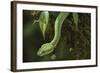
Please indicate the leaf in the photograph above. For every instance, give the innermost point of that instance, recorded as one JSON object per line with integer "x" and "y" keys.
{"x": 35, "y": 21}
{"x": 75, "y": 17}
{"x": 43, "y": 21}
{"x": 70, "y": 49}
{"x": 34, "y": 13}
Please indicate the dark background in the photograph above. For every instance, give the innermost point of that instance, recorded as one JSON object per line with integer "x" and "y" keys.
{"x": 73, "y": 45}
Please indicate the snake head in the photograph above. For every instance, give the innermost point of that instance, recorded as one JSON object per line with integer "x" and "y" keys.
{"x": 45, "y": 49}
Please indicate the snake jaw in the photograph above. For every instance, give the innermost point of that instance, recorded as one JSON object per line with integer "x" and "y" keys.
{"x": 39, "y": 53}
{"x": 45, "y": 49}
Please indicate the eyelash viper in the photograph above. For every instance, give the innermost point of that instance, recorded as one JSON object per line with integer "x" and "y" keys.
{"x": 48, "y": 48}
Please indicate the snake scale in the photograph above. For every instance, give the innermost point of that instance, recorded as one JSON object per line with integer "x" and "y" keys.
{"x": 49, "y": 47}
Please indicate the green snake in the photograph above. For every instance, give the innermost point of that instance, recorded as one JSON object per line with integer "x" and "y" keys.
{"x": 48, "y": 48}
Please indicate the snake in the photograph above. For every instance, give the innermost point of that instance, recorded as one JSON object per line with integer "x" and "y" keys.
{"x": 49, "y": 47}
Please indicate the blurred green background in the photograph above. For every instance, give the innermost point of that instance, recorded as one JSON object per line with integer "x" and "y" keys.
{"x": 73, "y": 45}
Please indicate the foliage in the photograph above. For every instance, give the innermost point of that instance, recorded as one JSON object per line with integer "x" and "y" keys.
{"x": 43, "y": 21}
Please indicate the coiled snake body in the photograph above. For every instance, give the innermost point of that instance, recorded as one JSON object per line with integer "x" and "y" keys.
{"x": 47, "y": 48}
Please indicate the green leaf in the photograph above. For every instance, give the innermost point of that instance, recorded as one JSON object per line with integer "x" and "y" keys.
{"x": 70, "y": 49}
{"x": 43, "y": 21}
{"x": 75, "y": 17}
